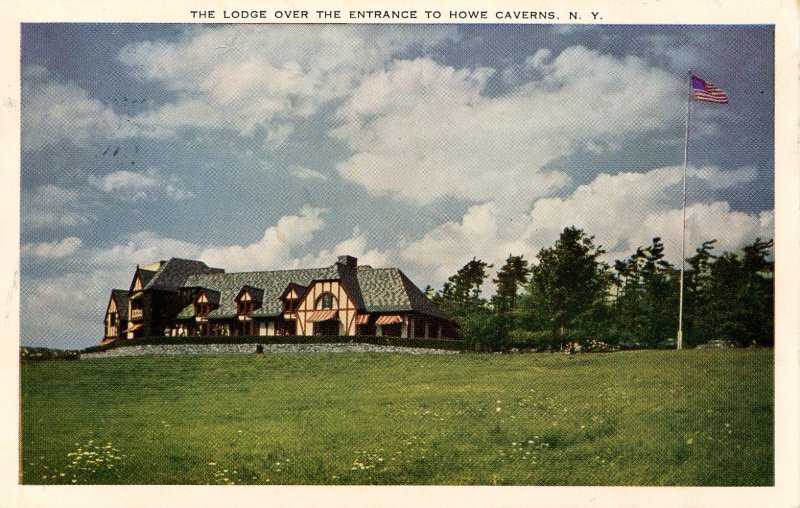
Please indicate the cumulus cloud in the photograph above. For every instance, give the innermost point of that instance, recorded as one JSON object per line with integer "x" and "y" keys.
{"x": 238, "y": 77}
{"x": 355, "y": 246}
{"x": 55, "y": 111}
{"x": 133, "y": 186}
{"x": 140, "y": 248}
{"x": 52, "y": 250}
{"x": 50, "y": 206}
{"x": 123, "y": 180}
{"x": 263, "y": 77}
{"x": 274, "y": 247}
{"x": 433, "y": 125}
{"x": 307, "y": 174}
{"x": 623, "y": 211}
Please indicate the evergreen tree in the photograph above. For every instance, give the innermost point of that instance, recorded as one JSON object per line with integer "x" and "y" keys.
{"x": 511, "y": 276}
{"x": 568, "y": 281}
{"x": 660, "y": 302}
{"x": 461, "y": 294}
{"x": 697, "y": 297}
{"x": 742, "y": 295}
{"x": 460, "y": 298}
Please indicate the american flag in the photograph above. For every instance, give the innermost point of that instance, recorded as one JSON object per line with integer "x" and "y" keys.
{"x": 706, "y": 92}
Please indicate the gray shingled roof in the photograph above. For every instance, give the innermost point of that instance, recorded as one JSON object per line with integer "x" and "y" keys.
{"x": 173, "y": 274}
{"x": 419, "y": 301}
{"x": 389, "y": 290}
{"x": 147, "y": 276}
{"x": 120, "y": 296}
{"x": 374, "y": 289}
{"x": 271, "y": 283}
{"x": 348, "y": 277}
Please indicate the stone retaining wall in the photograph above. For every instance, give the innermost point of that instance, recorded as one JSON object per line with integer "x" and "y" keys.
{"x": 225, "y": 349}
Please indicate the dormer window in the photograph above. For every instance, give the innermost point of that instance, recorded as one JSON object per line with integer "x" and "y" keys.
{"x": 205, "y": 303}
{"x": 290, "y": 298}
{"x": 244, "y": 308}
{"x": 248, "y": 300}
{"x": 290, "y": 305}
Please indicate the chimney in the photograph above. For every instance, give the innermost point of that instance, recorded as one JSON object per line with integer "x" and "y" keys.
{"x": 349, "y": 261}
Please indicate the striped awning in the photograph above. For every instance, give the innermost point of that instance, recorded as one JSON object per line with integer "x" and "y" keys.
{"x": 322, "y": 315}
{"x": 391, "y": 319}
{"x": 133, "y": 328}
{"x": 362, "y": 319}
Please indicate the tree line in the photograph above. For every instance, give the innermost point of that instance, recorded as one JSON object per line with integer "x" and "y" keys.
{"x": 569, "y": 295}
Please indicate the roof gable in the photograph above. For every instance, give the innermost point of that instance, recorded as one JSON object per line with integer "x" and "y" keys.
{"x": 141, "y": 278}
{"x": 120, "y": 299}
{"x": 206, "y": 295}
{"x": 293, "y": 289}
{"x": 255, "y": 294}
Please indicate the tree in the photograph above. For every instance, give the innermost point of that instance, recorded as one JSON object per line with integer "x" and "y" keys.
{"x": 660, "y": 297}
{"x": 511, "y": 276}
{"x": 461, "y": 294}
{"x": 568, "y": 281}
{"x": 647, "y": 299}
{"x": 697, "y": 297}
{"x": 742, "y": 295}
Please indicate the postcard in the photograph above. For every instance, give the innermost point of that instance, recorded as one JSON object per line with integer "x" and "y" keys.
{"x": 475, "y": 255}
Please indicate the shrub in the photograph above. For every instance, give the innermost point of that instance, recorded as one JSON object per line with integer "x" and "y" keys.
{"x": 432, "y": 343}
{"x": 485, "y": 331}
{"x": 523, "y": 339}
{"x": 39, "y": 353}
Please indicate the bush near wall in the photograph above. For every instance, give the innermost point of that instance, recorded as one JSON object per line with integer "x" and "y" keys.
{"x": 40, "y": 353}
{"x": 448, "y": 344}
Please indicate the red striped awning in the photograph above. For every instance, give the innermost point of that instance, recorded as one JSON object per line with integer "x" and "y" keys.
{"x": 133, "y": 328}
{"x": 391, "y": 319}
{"x": 322, "y": 315}
{"x": 362, "y": 319}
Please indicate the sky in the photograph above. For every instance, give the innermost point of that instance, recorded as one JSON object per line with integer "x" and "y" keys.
{"x": 258, "y": 147}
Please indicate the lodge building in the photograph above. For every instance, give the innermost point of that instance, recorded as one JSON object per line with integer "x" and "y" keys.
{"x": 182, "y": 297}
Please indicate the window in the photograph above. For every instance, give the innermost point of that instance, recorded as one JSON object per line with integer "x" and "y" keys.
{"x": 325, "y": 301}
{"x": 246, "y": 308}
{"x": 290, "y": 305}
{"x": 202, "y": 309}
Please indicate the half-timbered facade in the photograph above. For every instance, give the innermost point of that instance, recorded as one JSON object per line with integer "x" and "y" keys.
{"x": 342, "y": 299}
{"x": 154, "y": 297}
{"x": 116, "y": 319}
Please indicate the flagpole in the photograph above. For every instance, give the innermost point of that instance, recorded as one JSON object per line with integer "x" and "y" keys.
{"x": 683, "y": 227}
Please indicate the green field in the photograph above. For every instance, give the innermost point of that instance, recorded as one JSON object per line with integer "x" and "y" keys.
{"x": 627, "y": 418}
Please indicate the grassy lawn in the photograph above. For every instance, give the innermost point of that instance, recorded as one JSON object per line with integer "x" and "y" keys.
{"x": 628, "y": 418}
